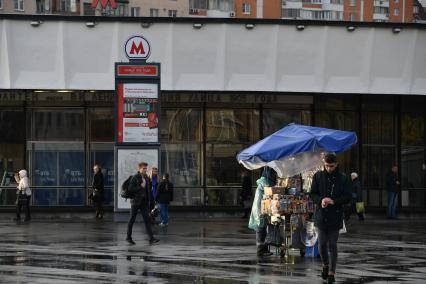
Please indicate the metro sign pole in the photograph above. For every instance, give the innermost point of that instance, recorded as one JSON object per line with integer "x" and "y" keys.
{"x": 137, "y": 114}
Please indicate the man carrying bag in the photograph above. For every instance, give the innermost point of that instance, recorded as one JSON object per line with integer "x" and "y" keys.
{"x": 139, "y": 188}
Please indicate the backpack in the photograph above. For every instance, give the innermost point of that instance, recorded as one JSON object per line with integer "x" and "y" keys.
{"x": 125, "y": 193}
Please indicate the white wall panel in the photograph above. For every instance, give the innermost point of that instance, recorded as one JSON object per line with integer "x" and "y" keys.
{"x": 33, "y": 55}
{"x": 219, "y": 56}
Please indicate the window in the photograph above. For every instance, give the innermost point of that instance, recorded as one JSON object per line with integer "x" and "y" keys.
{"x": 396, "y": 1}
{"x": 58, "y": 173}
{"x": 275, "y": 119}
{"x": 396, "y": 12}
{"x": 12, "y": 152}
{"x": 88, "y": 10}
{"x": 246, "y": 8}
{"x": 19, "y": 5}
{"x": 101, "y": 123}
{"x": 381, "y": 10}
{"x": 153, "y": 12}
{"x": 415, "y": 9}
{"x": 340, "y": 2}
{"x": 291, "y": 13}
{"x": 198, "y": 4}
{"x": 181, "y": 125}
{"x": 58, "y": 125}
{"x": 352, "y": 2}
{"x": 40, "y": 7}
{"x": 69, "y": 6}
{"x": 135, "y": 11}
{"x": 121, "y": 11}
{"x": 352, "y": 17}
{"x": 172, "y": 13}
{"x": 221, "y": 5}
{"x": 1, "y": 4}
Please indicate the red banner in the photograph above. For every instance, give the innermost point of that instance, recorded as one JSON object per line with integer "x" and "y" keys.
{"x": 104, "y": 4}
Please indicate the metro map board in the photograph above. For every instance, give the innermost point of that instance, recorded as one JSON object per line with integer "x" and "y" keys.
{"x": 137, "y": 112}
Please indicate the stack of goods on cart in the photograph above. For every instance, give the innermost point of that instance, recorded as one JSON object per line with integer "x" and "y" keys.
{"x": 280, "y": 200}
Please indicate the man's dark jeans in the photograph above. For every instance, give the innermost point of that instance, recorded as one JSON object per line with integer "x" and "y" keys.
{"x": 327, "y": 244}
{"x": 143, "y": 207}
{"x": 391, "y": 211}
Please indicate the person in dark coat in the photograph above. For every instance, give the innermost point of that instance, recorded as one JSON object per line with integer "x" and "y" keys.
{"x": 330, "y": 190}
{"x": 246, "y": 192}
{"x": 392, "y": 186}
{"x": 163, "y": 199}
{"x": 356, "y": 194}
{"x": 140, "y": 186}
{"x": 97, "y": 195}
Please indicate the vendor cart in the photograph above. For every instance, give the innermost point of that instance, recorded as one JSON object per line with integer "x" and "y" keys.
{"x": 287, "y": 214}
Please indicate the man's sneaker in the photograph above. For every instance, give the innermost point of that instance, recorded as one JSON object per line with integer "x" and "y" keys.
{"x": 324, "y": 273}
{"x": 153, "y": 241}
{"x": 130, "y": 241}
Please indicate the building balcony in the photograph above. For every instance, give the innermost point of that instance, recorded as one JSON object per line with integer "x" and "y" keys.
{"x": 333, "y": 7}
{"x": 384, "y": 17}
{"x": 293, "y": 5}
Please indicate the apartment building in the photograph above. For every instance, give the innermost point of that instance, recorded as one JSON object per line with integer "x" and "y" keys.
{"x": 124, "y": 8}
{"x": 330, "y": 10}
{"x": 349, "y": 10}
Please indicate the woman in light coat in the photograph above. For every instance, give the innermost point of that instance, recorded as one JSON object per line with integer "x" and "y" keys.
{"x": 23, "y": 196}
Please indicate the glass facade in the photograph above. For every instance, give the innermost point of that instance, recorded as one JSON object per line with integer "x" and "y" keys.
{"x": 58, "y": 137}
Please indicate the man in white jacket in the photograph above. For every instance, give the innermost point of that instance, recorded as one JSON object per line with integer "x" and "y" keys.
{"x": 23, "y": 196}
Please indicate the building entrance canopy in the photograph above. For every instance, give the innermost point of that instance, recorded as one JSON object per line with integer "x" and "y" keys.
{"x": 226, "y": 55}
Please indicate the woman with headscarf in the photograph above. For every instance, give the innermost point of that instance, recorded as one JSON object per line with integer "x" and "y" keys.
{"x": 23, "y": 196}
{"x": 258, "y": 221}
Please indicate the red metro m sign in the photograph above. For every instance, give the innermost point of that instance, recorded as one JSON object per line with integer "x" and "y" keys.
{"x": 104, "y": 4}
{"x": 137, "y": 48}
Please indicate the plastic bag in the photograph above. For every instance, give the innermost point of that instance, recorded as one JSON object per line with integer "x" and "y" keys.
{"x": 359, "y": 207}
{"x": 343, "y": 229}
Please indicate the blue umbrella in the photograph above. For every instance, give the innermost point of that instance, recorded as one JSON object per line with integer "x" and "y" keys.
{"x": 295, "y": 147}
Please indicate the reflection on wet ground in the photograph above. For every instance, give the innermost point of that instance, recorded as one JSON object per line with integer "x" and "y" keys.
{"x": 199, "y": 250}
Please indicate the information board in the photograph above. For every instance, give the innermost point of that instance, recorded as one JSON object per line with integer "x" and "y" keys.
{"x": 137, "y": 113}
{"x": 127, "y": 159}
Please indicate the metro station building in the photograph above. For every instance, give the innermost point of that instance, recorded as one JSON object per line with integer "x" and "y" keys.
{"x": 225, "y": 84}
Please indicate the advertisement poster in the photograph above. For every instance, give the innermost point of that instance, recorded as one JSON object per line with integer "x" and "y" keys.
{"x": 138, "y": 113}
{"x": 127, "y": 160}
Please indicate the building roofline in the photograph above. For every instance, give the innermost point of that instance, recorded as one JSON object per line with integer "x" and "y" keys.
{"x": 207, "y": 20}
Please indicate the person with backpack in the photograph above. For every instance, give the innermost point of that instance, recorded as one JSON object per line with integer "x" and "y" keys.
{"x": 139, "y": 191}
{"x": 330, "y": 190}
{"x": 164, "y": 197}
{"x": 23, "y": 195}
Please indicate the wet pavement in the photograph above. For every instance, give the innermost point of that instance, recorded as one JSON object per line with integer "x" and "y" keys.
{"x": 199, "y": 249}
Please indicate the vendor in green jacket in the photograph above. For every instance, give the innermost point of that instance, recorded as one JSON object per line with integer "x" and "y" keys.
{"x": 330, "y": 190}
{"x": 258, "y": 221}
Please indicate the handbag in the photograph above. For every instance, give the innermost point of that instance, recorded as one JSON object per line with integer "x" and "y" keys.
{"x": 95, "y": 194}
{"x": 360, "y": 207}
{"x": 273, "y": 235}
